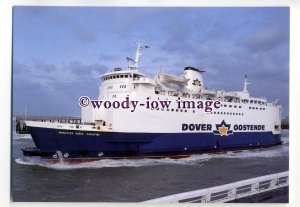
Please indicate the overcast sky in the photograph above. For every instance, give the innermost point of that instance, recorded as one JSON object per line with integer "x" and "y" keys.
{"x": 59, "y": 53}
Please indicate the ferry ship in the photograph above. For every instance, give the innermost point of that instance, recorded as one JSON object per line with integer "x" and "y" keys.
{"x": 239, "y": 122}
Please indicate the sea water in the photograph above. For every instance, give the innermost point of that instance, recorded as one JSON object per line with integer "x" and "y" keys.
{"x": 134, "y": 180}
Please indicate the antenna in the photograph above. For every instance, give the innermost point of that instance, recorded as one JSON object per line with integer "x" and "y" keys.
{"x": 25, "y": 113}
{"x": 137, "y": 55}
{"x": 245, "y": 84}
{"x": 134, "y": 64}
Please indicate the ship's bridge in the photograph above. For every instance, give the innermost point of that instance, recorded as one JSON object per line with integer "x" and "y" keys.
{"x": 118, "y": 73}
{"x": 121, "y": 81}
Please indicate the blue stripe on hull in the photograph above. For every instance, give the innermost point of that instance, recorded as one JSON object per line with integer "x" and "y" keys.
{"x": 139, "y": 144}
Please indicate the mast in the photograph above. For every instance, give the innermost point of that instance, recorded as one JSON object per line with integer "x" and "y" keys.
{"x": 134, "y": 64}
{"x": 245, "y": 84}
{"x": 25, "y": 113}
{"x": 137, "y": 55}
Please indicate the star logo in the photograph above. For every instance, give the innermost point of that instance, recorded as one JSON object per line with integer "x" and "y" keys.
{"x": 223, "y": 129}
{"x": 196, "y": 82}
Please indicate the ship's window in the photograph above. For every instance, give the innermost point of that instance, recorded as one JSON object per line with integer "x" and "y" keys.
{"x": 157, "y": 108}
{"x": 221, "y": 112}
{"x": 230, "y": 113}
{"x": 255, "y": 102}
{"x": 121, "y": 76}
{"x": 263, "y": 108}
{"x": 126, "y": 76}
{"x": 249, "y": 107}
{"x": 118, "y": 76}
{"x": 230, "y": 106}
{"x": 162, "y": 109}
{"x": 130, "y": 76}
{"x": 256, "y": 108}
{"x": 234, "y": 106}
{"x": 225, "y": 105}
{"x": 218, "y": 112}
{"x": 251, "y": 101}
{"x": 168, "y": 109}
{"x": 114, "y": 77}
{"x": 193, "y": 111}
{"x": 239, "y": 114}
{"x": 222, "y": 105}
{"x": 214, "y": 112}
{"x": 172, "y": 109}
{"x": 227, "y": 113}
{"x": 185, "y": 110}
{"x": 181, "y": 110}
{"x": 240, "y": 106}
{"x": 176, "y": 110}
{"x": 233, "y": 113}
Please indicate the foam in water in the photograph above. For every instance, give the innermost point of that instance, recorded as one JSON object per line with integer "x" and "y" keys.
{"x": 277, "y": 151}
{"x": 21, "y": 136}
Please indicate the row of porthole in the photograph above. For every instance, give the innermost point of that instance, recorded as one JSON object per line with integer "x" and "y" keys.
{"x": 173, "y": 110}
{"x": 228, "y": 113}
{"x": 257, "y": 108}
{"x": 234, "y": 106}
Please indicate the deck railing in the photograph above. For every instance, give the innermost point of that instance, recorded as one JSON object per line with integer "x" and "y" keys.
{"x": 229, "y": 192}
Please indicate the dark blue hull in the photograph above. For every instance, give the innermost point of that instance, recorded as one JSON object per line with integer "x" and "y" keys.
{"x": 90, "y": 144}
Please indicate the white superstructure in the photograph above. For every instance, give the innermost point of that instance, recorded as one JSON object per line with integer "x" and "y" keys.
{"x": 237, "y": 107}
